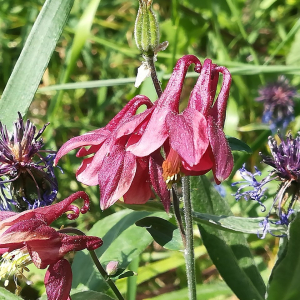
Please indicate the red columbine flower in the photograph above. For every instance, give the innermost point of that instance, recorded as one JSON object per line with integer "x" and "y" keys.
{"x": 28, "y": 237}
{"x": 118, "y": 172}
{"x": 193, "y": 140}
{"x": 202, "y": 100}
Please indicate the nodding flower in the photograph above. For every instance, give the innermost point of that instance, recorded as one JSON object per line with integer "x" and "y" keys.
{"x": 27, "y": 237}
{"x": 24, "y": 172}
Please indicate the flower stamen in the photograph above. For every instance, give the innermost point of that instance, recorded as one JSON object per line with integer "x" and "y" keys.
{"x": 15, "y": 263}
{"x": 171, "y": 168}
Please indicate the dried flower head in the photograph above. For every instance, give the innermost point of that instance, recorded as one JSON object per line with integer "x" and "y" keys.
{"x": 23, "y": 170}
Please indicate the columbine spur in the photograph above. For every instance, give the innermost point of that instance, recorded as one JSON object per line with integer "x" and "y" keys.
{"x": 27, "y": 237}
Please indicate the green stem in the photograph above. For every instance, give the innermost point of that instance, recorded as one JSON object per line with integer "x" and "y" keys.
{"x": 150, "y": 62}
{"x": 96, "y": 262}
{"x": 104, "y": 275}
{"x": 189, "y": 249}
{"x": 131, "y": 281}
{"x": 177, "y": 215}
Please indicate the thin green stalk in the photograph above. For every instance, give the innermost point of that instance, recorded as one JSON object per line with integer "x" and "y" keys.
{"x": 189, "y": 249}
{"x": 131, "y": 281}
{"x": 104, "y": 275}
{"x": 177, "y": 215}
{"x": 150, "y": 62}
{"x": 96, "y": 262}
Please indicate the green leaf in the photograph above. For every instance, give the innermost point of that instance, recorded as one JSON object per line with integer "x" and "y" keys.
{"x": 285, "y": 277}
{"x": 90, "y": 295}
{"x": 163, "y": 232}
{"x": 253, "y": 127}
{"x": 156, "y": 268}
{"x": 82, "y": 295}
{"x": 6, "y": 295}
{"x": 124, "y": 275}
{"x": 228, "y": 251}
{"x": 120, "y": 243}
{"x": 34, "y": 58}
{"x": 204, "y": 292}
{"x": 150, "y": 206}
{"x": 81, "y": 35}
{"x": 238, "y": 145}
{"x": 237, "y": 224}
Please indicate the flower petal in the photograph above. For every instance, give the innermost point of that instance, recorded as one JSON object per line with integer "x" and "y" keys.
{"x": 188, "y": 135}
{"x": 221, "y": 151}
{"x": 22, "y": 231}
{"x": 156, "y": 133}
{"x": 139, "y": 191}
{"x": 218, "y": 110}
{"x": 157, "y": 181}
{"x": 58, "y": 280}
{"x": 205, "y": 164}
{"x": 201, "y": 96}
{"x": 90, "y": 138}
{"x": 49, "y": 213}
{"x": 116, "y": 175}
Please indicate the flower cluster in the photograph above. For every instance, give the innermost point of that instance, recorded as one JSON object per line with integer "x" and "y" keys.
{"x": 134, "y": 153}
{"x": 24, "y": 172}
{"x": 27, "y": 238}
{"x": 285, "y": 161}
{"x": 278, "y": 99}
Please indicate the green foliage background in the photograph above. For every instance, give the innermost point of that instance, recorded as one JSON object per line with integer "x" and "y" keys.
{"x": 90, "y": 77}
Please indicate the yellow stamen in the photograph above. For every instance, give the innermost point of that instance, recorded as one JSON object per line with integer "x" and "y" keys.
{"x": 14, "y": 263}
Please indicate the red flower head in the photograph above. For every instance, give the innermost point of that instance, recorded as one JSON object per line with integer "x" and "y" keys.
{"x": 193, "y": 140}
{"x": 28, "y": 237}
{"x": 118, "y": 172}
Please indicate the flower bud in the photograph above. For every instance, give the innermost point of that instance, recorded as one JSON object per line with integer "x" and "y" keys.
{"x": 146, "y": 30}
{"x": 112, "y": 268}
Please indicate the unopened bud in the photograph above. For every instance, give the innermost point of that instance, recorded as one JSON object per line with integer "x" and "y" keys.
{"x": 146, "y": 30}
{"x": 112, "y": 268}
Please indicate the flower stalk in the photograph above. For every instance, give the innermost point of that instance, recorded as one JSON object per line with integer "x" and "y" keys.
{"x": 189, "y": 247}
{"x": 150, "y": 62}
{"x": 96, "y": 262}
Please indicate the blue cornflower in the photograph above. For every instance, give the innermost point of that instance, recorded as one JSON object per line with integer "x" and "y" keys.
{"x": 27, "y": 174}
{"x": 278, "y": 99}
{"x": 285, "y": 161}
{"x": 257, "y": 189}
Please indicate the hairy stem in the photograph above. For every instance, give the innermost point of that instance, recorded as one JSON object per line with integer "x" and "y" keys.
{"x": 189, "y": 249}
{"x": 177, "y": 215}
{"x": 150, "y": 62}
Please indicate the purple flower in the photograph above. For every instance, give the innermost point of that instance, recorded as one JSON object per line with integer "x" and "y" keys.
{"x": 24, "y": 172}
{"x": 285, "y": 161}
{"x": 278, "y": 99}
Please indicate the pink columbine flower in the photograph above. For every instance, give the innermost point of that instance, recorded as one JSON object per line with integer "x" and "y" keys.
{"x": 119, "y": 172}
{"x": 28, "y": 237}
{"x": 193, "y": 140}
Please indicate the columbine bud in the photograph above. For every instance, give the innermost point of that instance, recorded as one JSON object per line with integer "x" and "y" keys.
{"x": 112, "y": 267}
{"x": 146, "y": 30}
